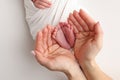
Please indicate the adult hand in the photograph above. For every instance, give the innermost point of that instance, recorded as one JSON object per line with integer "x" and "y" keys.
{"x": 49, "y": 54}
{"x": 89, "y": 36}
{"x": 42, "y": 4}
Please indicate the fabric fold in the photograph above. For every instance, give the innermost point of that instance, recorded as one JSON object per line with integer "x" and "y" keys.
{"x": 37, "y": 19}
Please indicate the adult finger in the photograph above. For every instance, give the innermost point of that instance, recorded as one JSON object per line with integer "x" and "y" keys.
{"x": 80, "y": 20}
{"x": 75, "y": 22}
{"x": 45, "y": 38}
{"x": 39, "y": 42}
{"x": 49, "y": 42}
{"x": 89, "y": 21}
{"x": 71, "y": 24}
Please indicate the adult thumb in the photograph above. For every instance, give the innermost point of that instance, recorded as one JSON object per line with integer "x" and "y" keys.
{"x": 98, "y": 34}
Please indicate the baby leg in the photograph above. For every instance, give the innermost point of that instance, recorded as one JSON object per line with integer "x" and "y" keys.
{"x": 58, "y": 35}
{"x": 68, "y": 32}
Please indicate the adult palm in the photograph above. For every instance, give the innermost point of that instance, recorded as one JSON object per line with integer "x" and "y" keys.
{"x": 49, "y": 54}
{"x": 88, "y": 35}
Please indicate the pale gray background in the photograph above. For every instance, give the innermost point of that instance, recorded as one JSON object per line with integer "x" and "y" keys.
{"x": 16, "y": 62}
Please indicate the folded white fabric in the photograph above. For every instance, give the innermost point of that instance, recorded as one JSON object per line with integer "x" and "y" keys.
{"x": 39, "y": 18}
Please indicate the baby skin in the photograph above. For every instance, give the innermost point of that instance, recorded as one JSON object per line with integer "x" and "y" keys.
{"x": 42, "y": 4}
{"x": 64, "y": 35}
{"x": 63, "y": 32}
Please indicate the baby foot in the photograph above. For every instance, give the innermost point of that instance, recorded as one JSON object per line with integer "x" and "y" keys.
{"x": 58, "y": 35}
{"x": 68, "y": 33}
{"x": 42, "y": 4}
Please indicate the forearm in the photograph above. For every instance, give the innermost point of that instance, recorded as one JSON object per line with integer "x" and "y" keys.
{"x": 93, "y": 72}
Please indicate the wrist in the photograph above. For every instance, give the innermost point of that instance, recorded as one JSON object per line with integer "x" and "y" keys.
{"x": 75, "y": 73}
{"x": 90, "y": 69}
{"x": 87, "y": 63}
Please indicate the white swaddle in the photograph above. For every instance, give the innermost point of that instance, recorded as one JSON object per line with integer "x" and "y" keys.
{"x": 58, "y": 12}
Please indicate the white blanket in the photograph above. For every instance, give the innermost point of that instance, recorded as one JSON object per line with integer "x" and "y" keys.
{"x": 39, "y": 18}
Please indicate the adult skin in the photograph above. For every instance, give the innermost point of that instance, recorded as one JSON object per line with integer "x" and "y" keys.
{"x": 49, "y": 54}
{"x": 89, "y": 39}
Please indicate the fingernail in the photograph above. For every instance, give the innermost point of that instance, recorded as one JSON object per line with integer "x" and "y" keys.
{"x": 98, "y": 23}
{"x": 81, "y": 9}
{"x": 74, "y": 11}
{"x": 70, "y": 14}
{"x": 33, "y": 52}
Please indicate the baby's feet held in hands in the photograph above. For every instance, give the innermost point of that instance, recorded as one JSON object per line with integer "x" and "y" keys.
{"x": 68, "y": 33}
{"x": 42, "y": 4}
{"x": 58, "y": 35}
{"x": 64, "y": 35}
